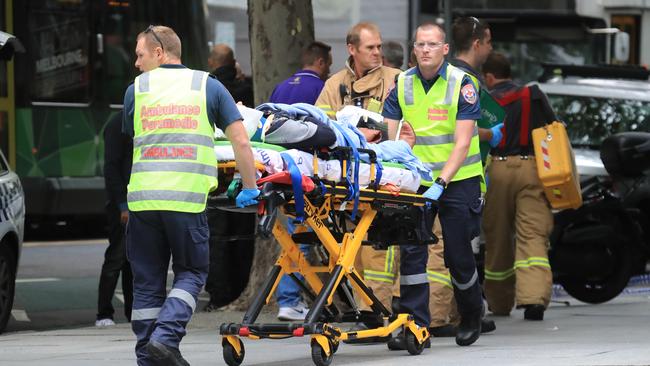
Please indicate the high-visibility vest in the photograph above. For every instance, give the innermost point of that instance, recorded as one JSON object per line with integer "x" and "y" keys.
{"x": 433, "y": 117}
{"x": 174, "y": 164}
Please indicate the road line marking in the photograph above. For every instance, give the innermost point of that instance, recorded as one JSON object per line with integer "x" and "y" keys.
{"x": 67, "y": 243}
{"x": 44, "y": 279}
{"x": 20, "y": 315}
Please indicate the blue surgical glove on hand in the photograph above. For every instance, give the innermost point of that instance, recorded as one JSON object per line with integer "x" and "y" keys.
{"x": 497, "y": 135}
{"x": 434, "y": 192}
{"x": 247, "y": 197}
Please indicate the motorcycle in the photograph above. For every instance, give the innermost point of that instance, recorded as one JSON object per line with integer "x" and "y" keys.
{"x": 597, "y": 248}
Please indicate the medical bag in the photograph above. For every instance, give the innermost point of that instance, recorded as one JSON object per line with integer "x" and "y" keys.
{"x": 556, "y": 166}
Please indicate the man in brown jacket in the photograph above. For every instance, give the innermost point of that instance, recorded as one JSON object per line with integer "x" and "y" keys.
{"x": 365, "y": 82}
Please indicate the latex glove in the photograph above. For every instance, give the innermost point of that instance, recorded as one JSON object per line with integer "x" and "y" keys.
{"x": 434, "y": 192}
{"x": 497, "y": 135}
{"x": 247, "y": 197}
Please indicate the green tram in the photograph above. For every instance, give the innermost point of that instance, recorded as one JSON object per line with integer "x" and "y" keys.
{"x": 57, "y": 96}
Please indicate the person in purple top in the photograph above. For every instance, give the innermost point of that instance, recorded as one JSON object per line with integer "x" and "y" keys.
{"x": 305, "y": 85}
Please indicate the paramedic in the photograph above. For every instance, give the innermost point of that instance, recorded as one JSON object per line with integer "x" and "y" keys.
{"x": 171, "y": 111}
{"x": 364, "y": 82}
{"x": 440, "y": 101}
{"x": 516, "y": 209}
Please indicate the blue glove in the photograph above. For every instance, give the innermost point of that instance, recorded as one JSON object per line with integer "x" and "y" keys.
{"x": 247, "y": 197}
{"x": 497, "y": 135}
{"x": 434, "y": 192}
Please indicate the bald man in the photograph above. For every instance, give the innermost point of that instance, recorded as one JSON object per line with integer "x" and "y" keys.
{"x": 223, "y": 65}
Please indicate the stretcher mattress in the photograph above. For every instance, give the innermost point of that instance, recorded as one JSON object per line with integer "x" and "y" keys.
{"x": 269, "y": 155}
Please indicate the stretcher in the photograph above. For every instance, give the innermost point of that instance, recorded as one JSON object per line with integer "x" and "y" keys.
{"x": 322, "y": 211}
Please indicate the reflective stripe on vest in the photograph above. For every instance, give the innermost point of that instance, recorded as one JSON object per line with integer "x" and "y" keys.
{"x": 174, "y": 164}
{"x": 433, "y": 117}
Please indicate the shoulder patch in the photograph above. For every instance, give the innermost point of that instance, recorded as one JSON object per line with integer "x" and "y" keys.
{"x": 469, "y": 93}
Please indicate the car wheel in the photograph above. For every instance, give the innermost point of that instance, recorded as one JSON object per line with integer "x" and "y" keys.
{"x": 7, "y": 284}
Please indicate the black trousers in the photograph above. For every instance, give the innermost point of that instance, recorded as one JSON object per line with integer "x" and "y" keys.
{"x": 460, "y": 209}
{"x": 115, "y": 262}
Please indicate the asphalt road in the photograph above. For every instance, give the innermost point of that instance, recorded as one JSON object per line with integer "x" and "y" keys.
{"x": 54, "y": 313}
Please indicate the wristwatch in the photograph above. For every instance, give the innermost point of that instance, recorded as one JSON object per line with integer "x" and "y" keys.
{"x": 441, "y": 182}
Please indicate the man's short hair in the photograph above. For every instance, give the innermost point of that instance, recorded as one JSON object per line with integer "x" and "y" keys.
{"x": 222, "y": 55}
{"x": 314, "y": 51}
{"x": 466, "y": 30}
{"x": 498, "y": 65}
{"x": 164, "y": 37}
{"x": 394, "y": 53}
{"x": 427, "y": 26}
{"x": 354, "y": 34}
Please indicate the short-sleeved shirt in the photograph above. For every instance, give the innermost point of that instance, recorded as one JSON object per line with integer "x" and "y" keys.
{"x": 466, "y": 110}
{"x": 470, "y": 70}
{"x": 222, "y": 110}
{"x": 302, "y": 87}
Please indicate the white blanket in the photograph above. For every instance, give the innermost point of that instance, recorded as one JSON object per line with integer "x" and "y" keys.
{"x": 404, "y": 179}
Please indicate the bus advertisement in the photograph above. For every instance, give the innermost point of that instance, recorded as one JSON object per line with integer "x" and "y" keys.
{"x": 56, "y": 96}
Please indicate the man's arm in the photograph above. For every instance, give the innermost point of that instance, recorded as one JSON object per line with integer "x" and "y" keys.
{"x": 392, "y": 125}
{"x": 238, "y": 137}
{"x": 462, "y": 138}
{"x": 326, "y": 100}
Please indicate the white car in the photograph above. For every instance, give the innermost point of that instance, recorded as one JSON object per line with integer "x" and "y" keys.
{"x": 12, "y": 226}
{"x": 595, "y": 104}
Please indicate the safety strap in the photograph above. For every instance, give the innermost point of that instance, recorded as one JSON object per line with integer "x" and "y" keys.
{"x": 378, "y": 174}
{"x": 296, "y": 184}
{"x": 354, "y": 191}
{"x": 523, "y": 95}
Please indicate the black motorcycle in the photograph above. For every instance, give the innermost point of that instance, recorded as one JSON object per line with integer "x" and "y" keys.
{"x": 598, "y": 247}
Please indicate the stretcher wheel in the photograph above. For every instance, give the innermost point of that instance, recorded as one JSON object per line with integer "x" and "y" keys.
{"x": 334, "y": 346}
{"x": 230, "y": 355}
{"x": 412, "y": 345}
{"x": 319, "y": 356}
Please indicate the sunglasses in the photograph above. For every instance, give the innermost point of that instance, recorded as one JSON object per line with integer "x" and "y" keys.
{"x": 150, "y": 30}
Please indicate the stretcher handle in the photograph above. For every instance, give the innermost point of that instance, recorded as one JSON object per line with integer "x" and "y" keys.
{"x": 271, "y": 198}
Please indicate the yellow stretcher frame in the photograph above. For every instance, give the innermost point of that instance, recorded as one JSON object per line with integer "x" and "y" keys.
{"x": 325, "y": 337}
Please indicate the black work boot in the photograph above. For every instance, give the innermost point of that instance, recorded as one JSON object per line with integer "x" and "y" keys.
{"x": 488, "y": 326}
{"x": 534, "y": 312}
{"x": 469, "y": 328}
{"x": 165, "y": 355}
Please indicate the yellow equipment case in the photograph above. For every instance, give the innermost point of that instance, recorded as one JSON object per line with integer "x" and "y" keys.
{"x": 556, "y": 166}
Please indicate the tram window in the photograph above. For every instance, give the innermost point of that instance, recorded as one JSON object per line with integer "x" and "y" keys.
{"x": 59, "y": 45}
{"x": 118, "y": 60}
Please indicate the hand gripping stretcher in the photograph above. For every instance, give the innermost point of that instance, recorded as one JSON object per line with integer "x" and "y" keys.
{"x": 322, "y": 210}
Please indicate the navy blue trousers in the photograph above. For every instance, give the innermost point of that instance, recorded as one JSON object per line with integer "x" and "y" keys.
{"x": 153, "y": 237}
{"x": 460, "y": 209}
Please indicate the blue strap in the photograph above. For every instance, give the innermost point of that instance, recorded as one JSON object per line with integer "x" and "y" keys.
{"x": 355, "y": 191}
{"x": 296, "y": 184}
{"x": 380, "y": 168}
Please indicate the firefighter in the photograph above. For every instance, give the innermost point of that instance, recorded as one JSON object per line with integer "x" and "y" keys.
{"x": 516, "y": 210}
{"x": 441, "y": 103}
{"x": 170, "y": 111}
{"x": 364, "y": 82}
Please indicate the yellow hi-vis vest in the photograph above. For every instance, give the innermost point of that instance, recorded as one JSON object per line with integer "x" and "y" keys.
{"x": 433, "y": 117}
{"x": 174, "y": 164}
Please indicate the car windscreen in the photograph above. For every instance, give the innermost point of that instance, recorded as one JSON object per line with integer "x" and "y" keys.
{"x": 590, "y": 120}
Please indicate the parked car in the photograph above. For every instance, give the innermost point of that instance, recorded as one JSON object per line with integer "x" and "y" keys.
{"x": 12, "y": 225}
{"x": 597, "y": 248}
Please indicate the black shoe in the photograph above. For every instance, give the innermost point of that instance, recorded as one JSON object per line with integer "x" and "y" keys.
{"x": 367, "y": 340}
{"x": 488, "y": 326}
{"x": 165, "y": 355}
{"x": 469, "y": 328}
{"x": 534, "y": 312}
{"x": 443, "y": 331}
{"x": 398, "y": 343}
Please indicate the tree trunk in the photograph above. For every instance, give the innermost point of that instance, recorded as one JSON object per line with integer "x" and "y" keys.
{"x": 279, "y": 30}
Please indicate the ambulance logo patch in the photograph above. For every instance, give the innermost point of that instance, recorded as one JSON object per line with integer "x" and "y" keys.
{"x": 469, "y": 93}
